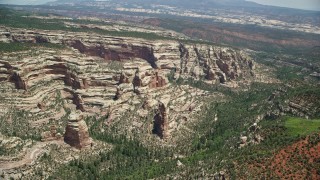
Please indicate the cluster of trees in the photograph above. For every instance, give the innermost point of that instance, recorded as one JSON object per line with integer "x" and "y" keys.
{"x": 216, "y": 144}
{"x": 128, "y": 159}
{"x": 18, "y": 126}
{"x": 16, "y": 46}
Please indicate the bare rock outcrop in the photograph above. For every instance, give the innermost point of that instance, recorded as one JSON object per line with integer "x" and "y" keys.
{"x": 184, "y": 57}
{"x": 124, "y": 52}
{"x": 216, "y": 64}
{"x": 119, "y": 93}
{"x": 124, "y": 78}
{"x": 75, "y": 82}
{"x": 161, "y": 121}
{"x": 41, "y": 105}
{"x": 137, "y": 80}
{"x": 157, "y": 81}
{"x": 77, "y": 134}
{"x": 51, "y": 135}
{"x": 253, "y": 136}
{"x": 18, "y": 81}
{"x": 78, "y": 101}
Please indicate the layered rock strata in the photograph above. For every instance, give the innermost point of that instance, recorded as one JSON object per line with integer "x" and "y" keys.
{"x": 77, "y": 134}
{"x": 103, "y": 75}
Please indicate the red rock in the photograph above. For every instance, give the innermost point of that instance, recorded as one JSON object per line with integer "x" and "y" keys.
{"x": 126, "y": 52}
{"x": 157, "y": 81}
{"x": 77, "y": 134}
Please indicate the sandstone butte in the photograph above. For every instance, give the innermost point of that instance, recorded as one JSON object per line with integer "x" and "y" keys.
{"x": 77, "y": 134}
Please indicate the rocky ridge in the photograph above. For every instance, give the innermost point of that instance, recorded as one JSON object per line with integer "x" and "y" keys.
{"x": 112, "y": 75}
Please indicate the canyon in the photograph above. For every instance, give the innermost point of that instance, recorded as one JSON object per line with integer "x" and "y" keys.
{"x": 121, "y": 78}
{"x": 111, "y": 90}
{"x": 83, "y": 76}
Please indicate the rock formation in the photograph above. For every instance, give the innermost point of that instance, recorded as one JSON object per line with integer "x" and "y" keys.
{"x": 77, "y": 134}
{"x": 124, "y": 52}
{"x": 118, "y": 93}
{"x": 137, "y": 80}
{"x": 18, "y": 81}
{"x": 123, "y": 78}
{"x": 84, "y": 78}
{"x": 41, "y": 105}
{"x": 184, "y": 57}
{"x": 51, "y": 135}
{"x": 157, "y": 81}
{"x": 78, "y": 101}
{"x": 161, "y": 121}
{"x": 75, "y": 82}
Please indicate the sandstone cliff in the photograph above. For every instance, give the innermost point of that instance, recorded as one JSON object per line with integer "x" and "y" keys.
{"x": 77, "y": 134}
{"x": 82, "y": 78}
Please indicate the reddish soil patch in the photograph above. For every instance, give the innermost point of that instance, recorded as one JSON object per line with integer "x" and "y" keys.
{"x": 300, "y": 160}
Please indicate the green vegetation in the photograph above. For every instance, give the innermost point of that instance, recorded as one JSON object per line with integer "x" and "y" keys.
{"x": 115, "y": 65}
{"x": 15, "y": 46}
{"x": 214, "y": 146}
{"x": 15, "y": 123}
{"x": 128, "y": 159}
{"x": 299, "y": 126}
{"x": 21, "y": 19}
{"x": 5, "y": 151}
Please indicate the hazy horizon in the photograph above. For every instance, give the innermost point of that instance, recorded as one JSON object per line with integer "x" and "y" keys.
{"x": 297, "y": 4}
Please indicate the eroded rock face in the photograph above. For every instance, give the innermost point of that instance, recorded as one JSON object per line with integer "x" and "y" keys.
{"x": 119, "y": 93}
{"x": 51, "y": 135}
{"x": 18, "y": 81}
{"x": 77, "y": 134}
{"x": 161, "y": 121}
{"x": 124, "y": 52}
{"x": 137, "y": 80}
{"x": 78, "y": 101}
{"x": 95, "y": 87}
{"x": 75, "y": 82}
{"x": 220, "y": 65}
{"x": 216, "y": 64}
{"x": 184, "y": 56}
{"x": 123, "y": 78}
{"x": 157, "y": 81}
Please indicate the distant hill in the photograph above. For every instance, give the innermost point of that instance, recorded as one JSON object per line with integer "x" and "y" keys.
{"x": 181, "y": 3}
